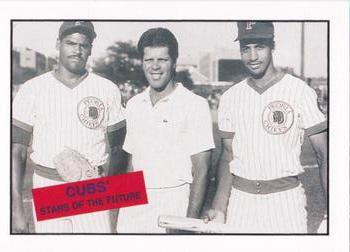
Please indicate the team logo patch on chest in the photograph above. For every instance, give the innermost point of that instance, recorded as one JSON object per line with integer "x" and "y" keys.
{"x": 277, "y": 117}
{"x": 91, "y": 111}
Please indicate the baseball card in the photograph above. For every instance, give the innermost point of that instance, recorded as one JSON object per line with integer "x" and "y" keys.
{"x": 200, "y": 125}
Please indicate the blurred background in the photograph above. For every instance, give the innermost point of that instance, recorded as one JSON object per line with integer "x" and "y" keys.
{"x": 209, "y": 63}
{"x": 209, "y": 60}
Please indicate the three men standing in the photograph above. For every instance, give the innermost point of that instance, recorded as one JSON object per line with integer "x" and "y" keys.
{"x": 262, "y": 122}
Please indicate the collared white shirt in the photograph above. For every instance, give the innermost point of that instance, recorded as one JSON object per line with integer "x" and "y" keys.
{"x": 162, "y": 138}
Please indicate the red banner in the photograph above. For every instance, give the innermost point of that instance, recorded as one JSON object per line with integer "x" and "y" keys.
{"x": 90, "y": 196}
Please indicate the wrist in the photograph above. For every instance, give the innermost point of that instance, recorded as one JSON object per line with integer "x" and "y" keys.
{"x": 193, "y": 213}
{"x": 218, "y": 211}
{"x": 17, "y": 204}
{"x": 220, "y": 214}
{"x": 217, "y": 216}
{"x": 218, "y": 206}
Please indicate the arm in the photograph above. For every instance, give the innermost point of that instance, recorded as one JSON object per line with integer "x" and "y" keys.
{"x": 200, "y": 166}
{"x": 200, "y": 143}
{"x": 24, "y": 114}
{"x": 19, "y": 157}
{"x": 117, "y": 165}
{"x": 118, "y": 157}
{"x": 224, "y": 178}
{"x": 319, "y": 143}
{"x": 129, "y": 167}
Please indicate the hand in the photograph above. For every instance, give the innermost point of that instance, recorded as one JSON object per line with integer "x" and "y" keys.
{"x": 113, "y": 217}
{"x": 19, "y": 222}
{"x": 322, "y": 229}
{"x": 214, "y": 215}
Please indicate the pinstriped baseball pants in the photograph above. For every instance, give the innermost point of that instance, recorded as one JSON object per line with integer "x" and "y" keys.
{"x": 281, "y": 212}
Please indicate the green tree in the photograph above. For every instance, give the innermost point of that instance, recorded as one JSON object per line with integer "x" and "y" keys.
{"x": 121, "y": 64}
{"x": 184, "y": 77}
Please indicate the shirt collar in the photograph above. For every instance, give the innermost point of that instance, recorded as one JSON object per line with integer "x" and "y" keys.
{"x": 70, "y": 85}
{"x": 177, "y": 91}
{"x": 268, "y": 85}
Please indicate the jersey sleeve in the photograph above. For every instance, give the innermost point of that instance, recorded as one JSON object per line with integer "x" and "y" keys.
{"x": 129, "y": 138}
{"x": 225, "y": 118}
{"x": 23, "y": 106}
{"x": 200, "y": 132}
{"x": 116, "y": 119}
{"x": 313, "y": 120}
{"x": 23, "y": 114}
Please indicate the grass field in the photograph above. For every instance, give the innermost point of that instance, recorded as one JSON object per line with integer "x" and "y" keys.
{"x": 310, "y": 181}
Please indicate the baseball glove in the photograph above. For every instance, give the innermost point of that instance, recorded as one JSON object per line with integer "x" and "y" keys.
{"x": 73, "y": 166}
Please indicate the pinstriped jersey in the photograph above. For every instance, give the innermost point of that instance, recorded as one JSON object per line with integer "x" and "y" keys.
{"x": 60, "y": 116}
{"x": 269, "y": 126}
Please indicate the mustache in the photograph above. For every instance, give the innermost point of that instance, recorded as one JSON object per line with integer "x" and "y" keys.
{"x": 75, "y": 56}
{"x": 254, "y": 63}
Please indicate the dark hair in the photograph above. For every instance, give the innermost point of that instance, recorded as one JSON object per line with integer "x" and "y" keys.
{"x": 268, "y": 42}
{"x": 159, "y": 37}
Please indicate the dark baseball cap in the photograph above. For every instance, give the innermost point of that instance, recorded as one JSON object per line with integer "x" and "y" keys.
{"x": 85, "y": 27}
{"x": 255, "y": 30}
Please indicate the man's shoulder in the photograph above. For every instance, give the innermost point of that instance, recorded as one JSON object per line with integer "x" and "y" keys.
{"x": 38, "y": 81}
{"x": 136, "y": 99}
{"x": 235, "y": 87}
{"x": 295, "y": 80}
{"x": 192, "y": 97}
{"x": 101, "y": 80}
{"x": 42, "y": 77}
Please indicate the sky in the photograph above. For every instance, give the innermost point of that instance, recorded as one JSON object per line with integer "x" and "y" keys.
{"x": 195, "y": 39}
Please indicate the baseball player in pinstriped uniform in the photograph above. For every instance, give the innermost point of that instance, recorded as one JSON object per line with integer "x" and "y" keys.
{"x": 68, "y": 107}
{"x": 169, "y": 137}
{"x": 262, "y": 122}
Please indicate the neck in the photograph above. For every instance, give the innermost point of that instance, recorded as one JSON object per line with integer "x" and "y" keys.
{"x": 68, "y": 78}
{"x": 158, "y": 94}
{"x": 270, "y": 73}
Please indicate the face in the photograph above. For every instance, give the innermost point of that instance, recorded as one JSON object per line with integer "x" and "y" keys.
{"x": 74, "y": 51}
{"x": 256, "y": 57}
{"x": 158, "y": 66}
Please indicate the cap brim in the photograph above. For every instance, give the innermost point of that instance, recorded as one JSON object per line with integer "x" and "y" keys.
{"x": 254, "y": 36}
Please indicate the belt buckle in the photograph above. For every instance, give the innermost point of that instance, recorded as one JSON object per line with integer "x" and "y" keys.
{"x": 257, "y": 186}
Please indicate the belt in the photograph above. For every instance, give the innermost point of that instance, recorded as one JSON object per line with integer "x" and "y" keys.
{"x": 51, "y": 173}
{"x": 265, "y": 186}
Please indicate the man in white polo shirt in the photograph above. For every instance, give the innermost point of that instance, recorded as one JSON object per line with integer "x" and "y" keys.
{"x": 169, "y": 138}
